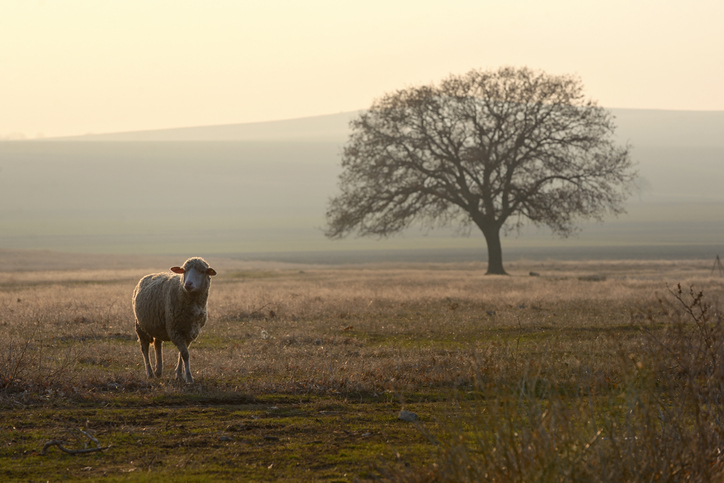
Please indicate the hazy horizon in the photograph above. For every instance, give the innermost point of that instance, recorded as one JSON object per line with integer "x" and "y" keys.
{"x": 266, "y": 89}
{"x": 327, "y": 127}
{"x": 267, "y": 195}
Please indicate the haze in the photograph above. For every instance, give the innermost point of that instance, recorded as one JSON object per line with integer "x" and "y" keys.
{"x": 75, "y": 67}
{"x": 219, "y": 124}
{"x": 260, "y": 190}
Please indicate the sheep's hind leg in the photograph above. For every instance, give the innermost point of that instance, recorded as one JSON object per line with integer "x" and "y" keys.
{"x": 145, "y": 342}
{"x": 158, "y": 344}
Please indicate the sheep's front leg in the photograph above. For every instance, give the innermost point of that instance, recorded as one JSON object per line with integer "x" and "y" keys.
{"x": 183, "y": 362}
{"x": 158, "y": 344}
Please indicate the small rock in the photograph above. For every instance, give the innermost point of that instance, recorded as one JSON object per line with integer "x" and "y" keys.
{"x": 407, "y": 416}
{"x": 225, "y": 438}
{"x": 490, "y": 312}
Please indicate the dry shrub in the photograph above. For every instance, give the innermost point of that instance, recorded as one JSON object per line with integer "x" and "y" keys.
{"x": 53, "y": 329}
{"x": 655, "y": 413}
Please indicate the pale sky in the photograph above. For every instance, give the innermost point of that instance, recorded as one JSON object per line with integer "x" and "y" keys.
{"x": 77, "y": 66}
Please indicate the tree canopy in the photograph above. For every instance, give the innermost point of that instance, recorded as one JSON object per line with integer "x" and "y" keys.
{"x": 490, "y": 149}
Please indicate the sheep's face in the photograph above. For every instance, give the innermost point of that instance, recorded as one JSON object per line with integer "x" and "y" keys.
{"x": 196, "y": 275}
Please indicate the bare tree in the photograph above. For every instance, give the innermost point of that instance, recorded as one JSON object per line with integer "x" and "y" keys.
{"x": 490, "y": 149}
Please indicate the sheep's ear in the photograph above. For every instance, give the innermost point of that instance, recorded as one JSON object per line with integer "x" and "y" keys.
{"x": 177, "y": 270}
{"x": 210, "y": 272}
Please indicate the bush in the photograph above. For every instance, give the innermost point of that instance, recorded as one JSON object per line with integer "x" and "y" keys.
{"x": 653, "y": 414}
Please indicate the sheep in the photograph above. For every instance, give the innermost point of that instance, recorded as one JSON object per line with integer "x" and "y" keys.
{"x": 172, "y": 308}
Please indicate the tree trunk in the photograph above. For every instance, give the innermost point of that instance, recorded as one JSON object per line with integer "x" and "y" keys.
{"x": 495, "y": 251}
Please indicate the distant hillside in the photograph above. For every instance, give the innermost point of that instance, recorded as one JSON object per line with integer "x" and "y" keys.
{"x": 638, "y": 126}
{"x": 642, "y": 127}
{"x": 263, "y": 188}
{"x": 329, "y": 128}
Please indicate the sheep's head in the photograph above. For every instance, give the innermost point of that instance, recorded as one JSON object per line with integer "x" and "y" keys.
{"x": 196, "y": 274}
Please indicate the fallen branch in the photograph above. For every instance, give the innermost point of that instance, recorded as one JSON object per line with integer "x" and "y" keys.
{"x": 59, "y": 444}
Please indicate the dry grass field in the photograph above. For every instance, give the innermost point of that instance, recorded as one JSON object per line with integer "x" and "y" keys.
{"x": 593, "y": 371}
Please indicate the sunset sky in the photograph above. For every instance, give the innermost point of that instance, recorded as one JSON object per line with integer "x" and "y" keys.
{"x": 79, "y": 66}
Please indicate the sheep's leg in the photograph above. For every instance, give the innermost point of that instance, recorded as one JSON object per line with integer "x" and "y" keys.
{"x": 183, "y": 362}
{"x": 145, "y": 342}
{"x": 158, "y": 344}
{"x": 144, "y": 349}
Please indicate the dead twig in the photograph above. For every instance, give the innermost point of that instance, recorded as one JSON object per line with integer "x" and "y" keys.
{"x": 59, "y": 444}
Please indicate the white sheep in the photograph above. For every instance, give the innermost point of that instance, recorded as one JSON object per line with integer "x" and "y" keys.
{"x": 172, "y": 308}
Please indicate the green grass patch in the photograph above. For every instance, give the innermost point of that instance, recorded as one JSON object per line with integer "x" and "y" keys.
{"x": 225, "y": 436}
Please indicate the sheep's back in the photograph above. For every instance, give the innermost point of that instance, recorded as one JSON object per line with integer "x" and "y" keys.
{"x": 151, "y": 301}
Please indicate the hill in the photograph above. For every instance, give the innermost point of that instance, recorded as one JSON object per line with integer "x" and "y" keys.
{"x": 261, "y": 189}
{"x": 328, "y": 128}
{"x": 641, "y": 127}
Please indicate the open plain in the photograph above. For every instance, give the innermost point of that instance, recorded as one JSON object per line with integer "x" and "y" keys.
{"x": 591, "y": 371}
